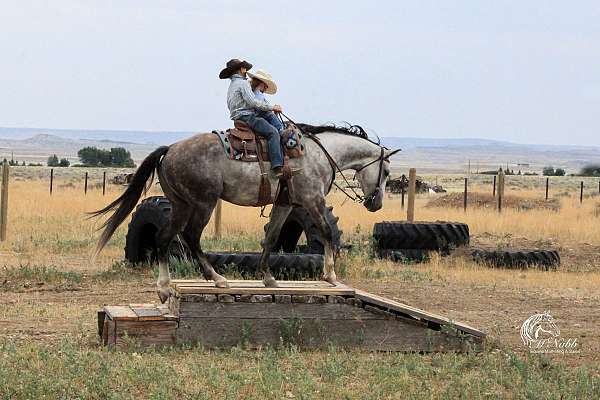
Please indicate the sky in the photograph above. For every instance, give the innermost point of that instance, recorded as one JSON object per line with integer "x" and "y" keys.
{"x": 522, "y": 71}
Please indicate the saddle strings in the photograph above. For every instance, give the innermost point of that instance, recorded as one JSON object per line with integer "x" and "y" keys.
{"x": 357, "y": 197}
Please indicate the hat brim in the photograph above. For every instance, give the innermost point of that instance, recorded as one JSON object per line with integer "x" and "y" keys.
{"x": 271, "y": 86}
{"x": 228, "y": 71}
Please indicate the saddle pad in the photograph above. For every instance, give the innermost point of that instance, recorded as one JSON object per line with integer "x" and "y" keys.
{"x": 227, "y": 145}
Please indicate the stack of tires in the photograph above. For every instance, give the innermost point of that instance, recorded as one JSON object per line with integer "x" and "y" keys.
{"x": 403, "y": 241}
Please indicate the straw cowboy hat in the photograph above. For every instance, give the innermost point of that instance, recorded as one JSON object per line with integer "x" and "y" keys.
{"x": 232, "y": 66}
{"x": 266, "y": 78}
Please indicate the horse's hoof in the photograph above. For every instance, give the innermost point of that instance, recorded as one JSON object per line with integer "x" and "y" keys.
{"x": 222, "y": 283}
{"x": 331, "y": 279}
{"x": 270, "y": 282}
{"x": 164, "y": 294}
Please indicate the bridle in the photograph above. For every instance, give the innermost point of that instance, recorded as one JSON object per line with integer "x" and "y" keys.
{"x": 335, "y": 169}
{"x": 381, "y": 159}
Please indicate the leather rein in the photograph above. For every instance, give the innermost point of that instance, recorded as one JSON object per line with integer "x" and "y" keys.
{"x": 335, "y": 169}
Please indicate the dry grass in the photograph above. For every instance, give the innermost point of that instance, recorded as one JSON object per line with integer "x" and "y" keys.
{"x": 53, "y": 230}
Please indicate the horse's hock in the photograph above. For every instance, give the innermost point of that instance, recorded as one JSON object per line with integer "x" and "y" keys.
{"x": 309, "y": 314}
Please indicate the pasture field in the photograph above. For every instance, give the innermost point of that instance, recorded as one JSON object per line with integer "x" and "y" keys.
{"x": 52, "y": 288}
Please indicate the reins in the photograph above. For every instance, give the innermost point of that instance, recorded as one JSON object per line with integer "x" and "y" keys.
{"x": 335, "y": 167}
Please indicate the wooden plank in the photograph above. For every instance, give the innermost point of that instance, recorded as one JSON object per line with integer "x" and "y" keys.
{"x": 122, "y": 313}
{"x": 166, "y": 312}
{"x": 111, "y": 336}
{"x": 274, "y": 310}
{"x": 146, "y": 333}
{"x": 104, "y": 334}
{"x": 101, "y": 318}
{"x": 254, "y": 283}
{"x": 142, "y": 305}
{"x": 148, "y": 314}
{"x": 415, "y": 312}
{"x": 379, "y": 335}
{"x": 182, "y": 290}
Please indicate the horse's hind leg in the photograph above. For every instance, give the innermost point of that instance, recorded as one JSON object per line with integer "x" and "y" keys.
{"x": 317, "y": 211}
{"x": 191, "y": 234}
{"x": 278, "y": 216}
{"x": 179, "y": 217}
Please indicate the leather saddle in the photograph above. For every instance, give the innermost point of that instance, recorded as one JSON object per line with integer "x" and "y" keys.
{"x": 245, "y": 145}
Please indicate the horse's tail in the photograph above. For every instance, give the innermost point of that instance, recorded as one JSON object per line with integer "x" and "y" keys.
{"x": 125, "y": 203}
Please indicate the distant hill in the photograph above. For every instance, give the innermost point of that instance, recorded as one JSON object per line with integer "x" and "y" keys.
{"x": 426, "y": 154}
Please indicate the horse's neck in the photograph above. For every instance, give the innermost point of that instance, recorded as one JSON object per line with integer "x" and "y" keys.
{"x": 349, "y": 152}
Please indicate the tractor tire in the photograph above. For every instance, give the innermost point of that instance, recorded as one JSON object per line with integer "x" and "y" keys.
{"x": 155, "y": 212}
{"x": 542, "y": 259}
{"x": 420, "y": 235}
{"x": 298, "y": 222}
{"x": 405, "y": 256}
{"x": 282, "y": 266}
{"x": 149, "y": 216}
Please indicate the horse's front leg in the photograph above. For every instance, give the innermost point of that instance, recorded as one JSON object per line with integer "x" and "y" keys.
{"x": 278, "y": 216}
{"x": 317, "y": 211}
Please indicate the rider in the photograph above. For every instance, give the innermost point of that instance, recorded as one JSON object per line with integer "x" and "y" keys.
{"x": 244, "y": 106}
{"x": 261, "y": 82}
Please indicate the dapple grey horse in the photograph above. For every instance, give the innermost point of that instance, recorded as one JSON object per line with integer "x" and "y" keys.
{"x": 195, "y": 173}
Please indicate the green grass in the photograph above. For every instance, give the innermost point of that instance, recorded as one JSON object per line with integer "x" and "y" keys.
{"x": 70, "y": 370}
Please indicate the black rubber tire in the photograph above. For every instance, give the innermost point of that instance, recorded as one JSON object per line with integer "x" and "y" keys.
{"x": 420, "y": 235}
{"x": 298, "y": 222}
{"x": 149, "y": 216}
{"x": 155, "y": 212}
{"x": 282, "y": 265}
{"x": 543, "y": 259}
{"x": 405, "y": 256}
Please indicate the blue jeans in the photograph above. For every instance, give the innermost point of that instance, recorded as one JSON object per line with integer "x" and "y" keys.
{"x": 261, "y": 127}
{"x": 272, "y": 119}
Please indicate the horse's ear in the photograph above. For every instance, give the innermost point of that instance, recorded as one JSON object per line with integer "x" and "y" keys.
{"x": 388, "y": 154}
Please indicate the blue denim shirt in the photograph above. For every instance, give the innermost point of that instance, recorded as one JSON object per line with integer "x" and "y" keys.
{"x": 260, "y": 96}
{"x": 241, "y": 100}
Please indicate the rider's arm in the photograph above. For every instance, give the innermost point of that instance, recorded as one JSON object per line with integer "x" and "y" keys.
{"x": 251, "y": 100}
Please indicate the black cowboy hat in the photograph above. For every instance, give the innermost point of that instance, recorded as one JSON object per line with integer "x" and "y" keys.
{"x": 232, "y": 66}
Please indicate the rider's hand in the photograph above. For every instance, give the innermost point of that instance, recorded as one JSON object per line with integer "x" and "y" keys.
{"x": 277, "y": 108}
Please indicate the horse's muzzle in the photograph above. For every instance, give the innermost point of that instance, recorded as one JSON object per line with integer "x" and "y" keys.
{"x": 374, "y": 202}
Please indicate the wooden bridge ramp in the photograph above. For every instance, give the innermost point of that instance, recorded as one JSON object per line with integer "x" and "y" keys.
{"x": 309, "y": 314}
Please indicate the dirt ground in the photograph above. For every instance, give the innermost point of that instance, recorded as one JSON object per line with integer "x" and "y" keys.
{"x": 32, "y": 310}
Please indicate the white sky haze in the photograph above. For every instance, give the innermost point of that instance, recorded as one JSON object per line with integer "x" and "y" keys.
{"x": 523, "y": 71}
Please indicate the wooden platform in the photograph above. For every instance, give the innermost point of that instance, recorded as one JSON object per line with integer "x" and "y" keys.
{"x": 309, "y": 314}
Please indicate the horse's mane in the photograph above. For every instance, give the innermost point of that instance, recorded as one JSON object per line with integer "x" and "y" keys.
{"x": 348, "y": 129}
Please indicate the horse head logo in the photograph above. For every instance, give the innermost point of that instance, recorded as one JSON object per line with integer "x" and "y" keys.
{"x": 538, "y": 327}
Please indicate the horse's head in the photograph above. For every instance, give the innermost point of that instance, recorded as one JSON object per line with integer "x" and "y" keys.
{"x": 373, "y": 177}
{"x": 547, "y": 325}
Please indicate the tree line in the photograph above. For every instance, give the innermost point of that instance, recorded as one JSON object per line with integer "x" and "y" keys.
{"x": 95, "y": 157}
